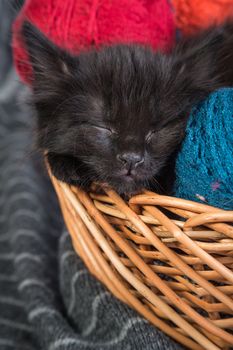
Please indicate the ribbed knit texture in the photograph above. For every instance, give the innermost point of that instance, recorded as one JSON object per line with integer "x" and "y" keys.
{"x": 48, "y": 299}
{"x": 194, "y": 15}
{"x": 78, "y": 25}
{"x": 204, "y": 167}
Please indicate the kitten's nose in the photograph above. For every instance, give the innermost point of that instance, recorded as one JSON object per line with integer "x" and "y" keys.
{"x": 131, "y": 159}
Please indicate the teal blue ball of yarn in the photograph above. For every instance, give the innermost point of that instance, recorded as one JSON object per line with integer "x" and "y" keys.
{"x": 204, "y": 167}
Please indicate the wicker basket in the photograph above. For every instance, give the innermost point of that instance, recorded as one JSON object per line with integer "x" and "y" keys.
{"x": 177, "y": 273}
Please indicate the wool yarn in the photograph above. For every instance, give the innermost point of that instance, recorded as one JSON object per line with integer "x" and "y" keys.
{"x": 194, "y": 15}
{"x": 204, "y": 167}
{"x": 78, "y": 25}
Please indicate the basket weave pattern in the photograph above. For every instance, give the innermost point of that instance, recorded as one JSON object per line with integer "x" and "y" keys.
{"x": 178, "y": 273}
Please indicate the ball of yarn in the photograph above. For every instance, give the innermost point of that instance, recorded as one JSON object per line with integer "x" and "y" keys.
{"x": 195, "y": 15}
{"x": 83, "y": 24}
{"x": 204, "y": 167}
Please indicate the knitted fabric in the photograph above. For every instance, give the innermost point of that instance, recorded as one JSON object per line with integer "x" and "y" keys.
{"x": 83, "y": 24}
{"x": 204, "y": 168}
{"x": 194, "y": 15}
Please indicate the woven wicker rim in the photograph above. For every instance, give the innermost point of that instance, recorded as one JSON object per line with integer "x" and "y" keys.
{"x": 118, "y": 240}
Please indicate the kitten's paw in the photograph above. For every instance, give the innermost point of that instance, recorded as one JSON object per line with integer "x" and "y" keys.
{"x": 64, "y": 168}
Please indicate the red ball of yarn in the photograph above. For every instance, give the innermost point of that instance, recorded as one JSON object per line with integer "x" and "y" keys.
{"x": 195, "y": 15}
{"x": 78, "y": 25}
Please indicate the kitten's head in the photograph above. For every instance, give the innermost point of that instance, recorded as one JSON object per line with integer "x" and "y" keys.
{"x": 115, "y": 114}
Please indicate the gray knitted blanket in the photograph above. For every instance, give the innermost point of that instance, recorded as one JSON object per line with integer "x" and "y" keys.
{"x": 48, "y": 299}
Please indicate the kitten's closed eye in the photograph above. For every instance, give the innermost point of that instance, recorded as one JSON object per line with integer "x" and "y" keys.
{"x": 161, "y": 127}
{"x": 107, "y": 129}
{"x": 150, "y": 135}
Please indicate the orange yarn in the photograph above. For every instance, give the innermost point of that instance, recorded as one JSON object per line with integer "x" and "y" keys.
{"x": 194, "y": 15}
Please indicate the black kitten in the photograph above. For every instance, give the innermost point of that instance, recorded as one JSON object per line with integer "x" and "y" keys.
{"x": 117, "y": 115}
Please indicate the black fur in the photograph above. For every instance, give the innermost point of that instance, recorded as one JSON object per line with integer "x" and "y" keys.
{"x": 124, "y": 99}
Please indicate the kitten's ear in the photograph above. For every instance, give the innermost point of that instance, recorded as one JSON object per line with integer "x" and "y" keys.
{"x": 48, "y": 61}
{"x": 204, "y": 63}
